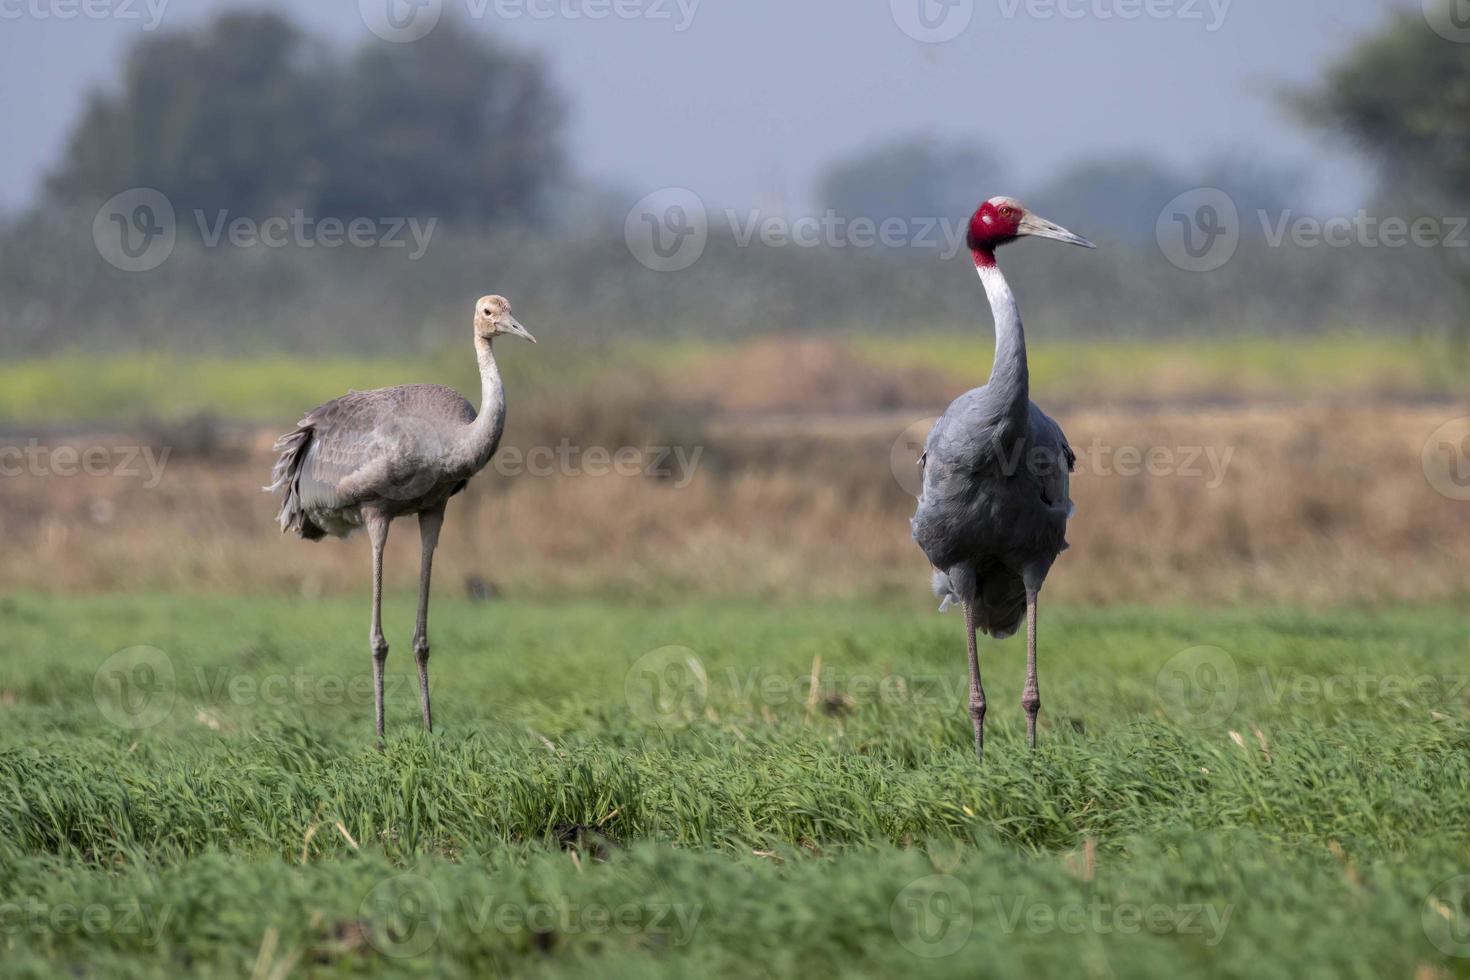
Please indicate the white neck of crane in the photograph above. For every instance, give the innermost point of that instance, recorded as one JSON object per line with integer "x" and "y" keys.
{"x": 483, "y": 435}
{"x": 1010, "y": 340}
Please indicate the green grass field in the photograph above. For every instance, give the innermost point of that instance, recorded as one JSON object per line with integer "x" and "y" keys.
{"x": 68, "y": 388}
{"x": 189, "y": 787}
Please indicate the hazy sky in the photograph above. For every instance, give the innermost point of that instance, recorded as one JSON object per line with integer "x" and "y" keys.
{"x": 745, "y": 100}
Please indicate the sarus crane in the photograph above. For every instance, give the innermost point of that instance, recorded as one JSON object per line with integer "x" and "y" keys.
{"x": 992, "y": 516}
{"x": 370, "y": 456}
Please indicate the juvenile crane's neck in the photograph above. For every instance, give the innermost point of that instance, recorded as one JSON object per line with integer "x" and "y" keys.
{"x": 1009, "y": 377}
{"x": 484, "y": 433}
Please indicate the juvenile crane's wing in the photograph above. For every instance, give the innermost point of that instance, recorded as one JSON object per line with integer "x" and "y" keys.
{"x": 366, "y": 442}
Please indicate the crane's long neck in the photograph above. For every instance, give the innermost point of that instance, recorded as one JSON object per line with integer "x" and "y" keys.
{"x": 483, "y": 436}
{"x": 1009, "y": 378}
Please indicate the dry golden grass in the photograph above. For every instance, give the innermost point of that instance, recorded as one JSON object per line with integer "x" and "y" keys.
{"x": 1318, "y": 504}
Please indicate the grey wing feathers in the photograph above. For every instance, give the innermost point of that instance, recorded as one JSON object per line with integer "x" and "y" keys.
{"x": 1048, "y": 438}
{"x": 327, "y": 458}
{"x": 965, "y": 435}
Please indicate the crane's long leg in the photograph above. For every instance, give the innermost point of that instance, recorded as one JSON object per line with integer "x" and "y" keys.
{"x": 377, "y": 528}
{"x": 1031, "y": 695}
{"x": 977, "y": 691}
{"x": 430, "y": 521}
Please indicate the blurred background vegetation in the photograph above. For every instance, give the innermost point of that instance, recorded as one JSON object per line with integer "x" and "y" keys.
{"x": 795, "y": 371}
{"x": 250, "y": 114}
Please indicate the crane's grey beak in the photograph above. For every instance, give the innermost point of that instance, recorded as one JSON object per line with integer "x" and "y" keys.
{"x": 1041, "y": 228}
{"x": 514, "y": 328}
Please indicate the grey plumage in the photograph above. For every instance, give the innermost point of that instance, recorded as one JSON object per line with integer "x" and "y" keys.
{"x": 995, "y": 505}
{"x": 371, "y": 456}
{"x": 992, "y": 517}
{"x": 390, "y": 445}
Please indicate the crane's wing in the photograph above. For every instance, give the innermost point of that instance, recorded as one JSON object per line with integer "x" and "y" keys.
{"x": 355, "y": 444}
{"x": 964, "y": 436}
{"x": 1048, "y": 441}
{"x": 979, "y": 481}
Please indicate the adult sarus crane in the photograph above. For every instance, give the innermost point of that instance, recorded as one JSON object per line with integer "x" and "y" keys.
{"x": 993, "y": 513}
{"x": 370, "y": 456}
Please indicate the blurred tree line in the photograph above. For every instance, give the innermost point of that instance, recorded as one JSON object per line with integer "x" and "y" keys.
{"x": 251, "y": 115}
{"x": 918, "y": 176}
{"x": 1403, "y": 97}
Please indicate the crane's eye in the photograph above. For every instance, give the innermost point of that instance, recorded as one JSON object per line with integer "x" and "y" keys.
{"x": 1007, "y": 211}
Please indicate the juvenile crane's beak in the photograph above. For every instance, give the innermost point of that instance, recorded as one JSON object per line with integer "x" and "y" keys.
{"x": 1041, "y": 228}
{"x": 514, "y": 328}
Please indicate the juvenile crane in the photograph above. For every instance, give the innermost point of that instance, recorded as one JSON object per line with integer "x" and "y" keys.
{"x": 370, "y": 456}
{"x": 992, "y": 516}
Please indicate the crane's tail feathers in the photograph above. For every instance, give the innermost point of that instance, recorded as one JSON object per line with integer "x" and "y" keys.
{"x": 286, "y": 475}
{"x": 944, "y": 590}
{"x": 999, "y": 598}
